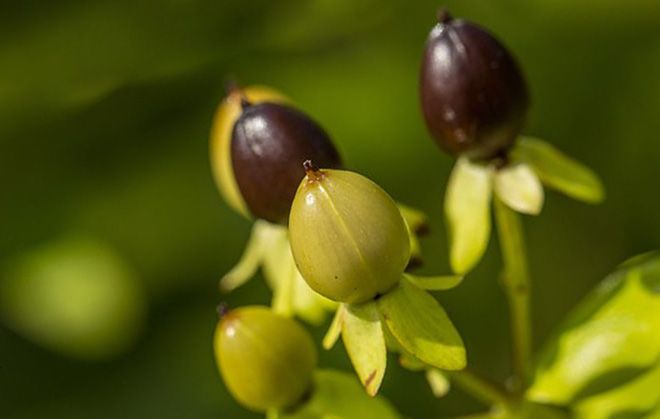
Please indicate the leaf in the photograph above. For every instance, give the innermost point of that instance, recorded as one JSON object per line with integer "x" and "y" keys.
{"x": 610, "y": 339}
{"x": 518, "y": 187}
{"x": 637, "y": 398}
{"x": 363, "y": 338}
{"x": 435, "y": 283}
{"x": 559, "y": 171}
{"x": 422, "y": 327}
{"x": 339, "y": 395}
{"x": 438, "y": 382}
{"x": 334, "y": 331}
{"x": 467, "y": 207}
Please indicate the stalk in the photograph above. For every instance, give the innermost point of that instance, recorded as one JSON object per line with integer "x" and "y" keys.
{"x": 516, "y": 283}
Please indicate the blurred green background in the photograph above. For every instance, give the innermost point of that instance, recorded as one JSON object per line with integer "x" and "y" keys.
{"x": 105, "y": 110}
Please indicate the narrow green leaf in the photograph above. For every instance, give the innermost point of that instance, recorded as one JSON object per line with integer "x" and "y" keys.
{"x": 467, "y": 207}
{"x": 422, "y": 327}
{"x": 609, "y": 340}
{"x": 334, "y": 331}
{"x": 363, "y": 338}
{"x": 435, "y": 283}
{"x": 559, "y": 171}
{"x": 519, "y": 187}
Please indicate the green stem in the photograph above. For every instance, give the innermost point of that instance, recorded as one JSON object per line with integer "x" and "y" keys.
{"x": 515, "y": 279}
{"x": 481, "y": 388}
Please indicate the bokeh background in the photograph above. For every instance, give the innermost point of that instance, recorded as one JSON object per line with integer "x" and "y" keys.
{"x": 105, "y": 110}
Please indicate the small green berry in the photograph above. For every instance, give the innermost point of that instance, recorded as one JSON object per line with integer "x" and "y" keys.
{"x": 266, "y": 360}
{"x": 347, "y": 236}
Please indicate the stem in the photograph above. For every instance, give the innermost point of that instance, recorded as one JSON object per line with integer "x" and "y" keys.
{"x": 481, "y": 388}
{"x": 516, "y": 283}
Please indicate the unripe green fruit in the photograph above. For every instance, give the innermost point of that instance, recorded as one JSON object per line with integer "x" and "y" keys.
{"x": 347, "y": 236}
{"x": 266, "y": 360}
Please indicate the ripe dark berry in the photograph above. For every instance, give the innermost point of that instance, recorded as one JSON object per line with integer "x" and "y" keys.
{"x": 473, "y": 95}
{"x": 269, "y": 143}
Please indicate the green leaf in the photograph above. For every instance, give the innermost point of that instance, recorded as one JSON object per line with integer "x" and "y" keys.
{"x": 519, "y": 187}
{"x": 467, "y": 207}
{"x": 334, "y": 331}
{"x": 422, "y": 327}
{"x": 339, "y": 395}
{"x": 611, "y": 338}
{"x": 559, "y": 171}
{"x": 435, "y": 283}
{"x": 635, "y": 399}
{"x": 363, "y": 338}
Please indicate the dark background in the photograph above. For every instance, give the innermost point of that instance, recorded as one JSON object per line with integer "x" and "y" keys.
{"x": 105, "y": 110}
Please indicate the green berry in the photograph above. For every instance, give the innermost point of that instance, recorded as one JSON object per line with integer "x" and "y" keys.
{"x": 266, "y": 360}
{"x": 347, "y": 236}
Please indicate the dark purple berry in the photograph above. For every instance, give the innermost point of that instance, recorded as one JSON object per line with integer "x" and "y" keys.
{"x": 474, "y": 97}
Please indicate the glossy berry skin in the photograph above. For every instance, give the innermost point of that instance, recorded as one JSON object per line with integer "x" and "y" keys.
{"x": 270, "y": 141}
{"x": 228, "y": 112}
{"x": 266, "y": 360}
{"x": 473, "y": 95}
{"x": 347, "y": 236}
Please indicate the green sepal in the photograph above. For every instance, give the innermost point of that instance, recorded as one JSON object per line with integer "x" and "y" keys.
{"x": 334, "y": 331}
{"x": 251, "y": 258}
{"x": 467, "y": 207}
{"x": 362, "y": 333}
{"x": 559, "y": 171}
{"x": 339, "y": 395}
{"x": 609, "y": 340}
{"x": 519, "y": 188}
{"x": 268, "y": 248}
{"x": 421, "y": 326}
{"x": 435, "y": 283}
